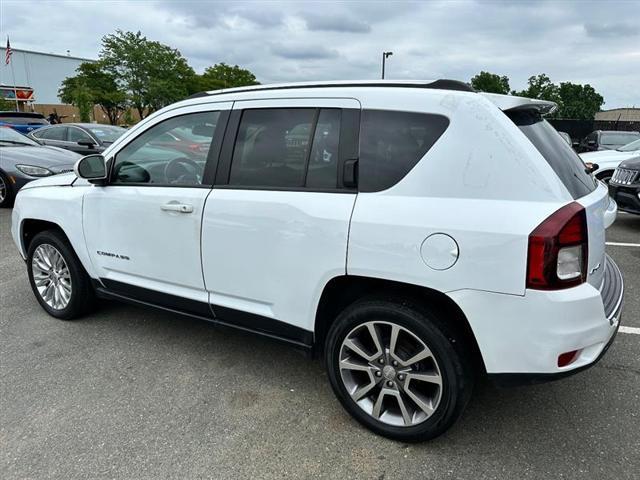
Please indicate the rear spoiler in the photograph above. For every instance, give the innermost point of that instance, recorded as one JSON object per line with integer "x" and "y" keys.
{"x": 511, "y": 103}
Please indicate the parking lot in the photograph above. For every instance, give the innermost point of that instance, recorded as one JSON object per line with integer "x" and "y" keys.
{"x": 133, "y": 393}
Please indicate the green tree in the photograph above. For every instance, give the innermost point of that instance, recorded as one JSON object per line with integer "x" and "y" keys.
{"x": 7, "y": 104}
{"x": 540, "y": 87}
{"x": 578, "y": 101}
{"x": 102, "y": 88}
{"x": 222, "y": 75}
{"x": 75, "y": 91}
{"x": 152, "y": 74}
{"x": 490, "y": 82}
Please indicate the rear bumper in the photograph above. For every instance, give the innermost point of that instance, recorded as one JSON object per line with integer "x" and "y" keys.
{"x": 521, "y": 337}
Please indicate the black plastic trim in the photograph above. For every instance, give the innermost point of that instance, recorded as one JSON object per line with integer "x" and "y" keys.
{"x": 213, "y": 156}
{"x": 441, "y": 84}
{"x": 221, "y": 316}
{"x": 228, "y": 144}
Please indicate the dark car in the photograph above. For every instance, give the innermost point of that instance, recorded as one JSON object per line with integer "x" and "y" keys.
{"x": 83, "y": 138}
{"x": 22, "y": 160}
{"x": 624, "y": 186}
{"x": 606, "y": 140}
{"x": 23, "y": 122}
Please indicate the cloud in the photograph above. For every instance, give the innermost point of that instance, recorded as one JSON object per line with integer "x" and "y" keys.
{"x": 613, "y": 30}
{"x": 303, "y": 52}
{"x": 335, "y": 23}
{"x": 282, "y": 40}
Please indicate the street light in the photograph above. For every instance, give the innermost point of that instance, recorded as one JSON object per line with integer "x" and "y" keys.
{"x": 385, "y": 55}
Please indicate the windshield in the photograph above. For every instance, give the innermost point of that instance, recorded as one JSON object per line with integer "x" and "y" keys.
{"x": 106, "y": 133}
{"x": 618, "y": 138}
{"x": 23, "y": 120}
{"x": 630, "y": 147}
{"x": 8, "y": 136}
{"x": 558, "y": 153}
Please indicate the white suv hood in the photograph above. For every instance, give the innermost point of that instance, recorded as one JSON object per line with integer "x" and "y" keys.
{"x": 60, "y": 180}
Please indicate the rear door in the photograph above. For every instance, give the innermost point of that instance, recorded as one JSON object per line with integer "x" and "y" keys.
{"x": 275, "y": 227}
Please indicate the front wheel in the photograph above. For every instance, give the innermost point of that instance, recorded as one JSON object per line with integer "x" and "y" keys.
{"x": 6, "y": 192}
{"x": 58, "y": 279}
{"x": 398, "y": 369}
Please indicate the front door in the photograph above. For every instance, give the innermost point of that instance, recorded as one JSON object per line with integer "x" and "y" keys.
{"x": 143, "y": 229}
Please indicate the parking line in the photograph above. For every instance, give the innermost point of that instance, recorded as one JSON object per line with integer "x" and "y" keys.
{"x": 632, "y": 330}
{"x": 623, "y": 244}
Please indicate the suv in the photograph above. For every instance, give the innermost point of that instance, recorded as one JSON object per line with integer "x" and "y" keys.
{"x": 624, "y": 186}
{"x": 23, "y": 122}
{"x": 416, "y": 235}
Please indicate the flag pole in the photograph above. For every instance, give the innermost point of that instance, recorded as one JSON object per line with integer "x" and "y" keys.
{"x": 15, "y": 89}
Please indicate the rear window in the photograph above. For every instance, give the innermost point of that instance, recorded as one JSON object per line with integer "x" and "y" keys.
{"x": 392, "y": 143}
{"x": 618, "y": 139}
{"x": 558, "y": 154}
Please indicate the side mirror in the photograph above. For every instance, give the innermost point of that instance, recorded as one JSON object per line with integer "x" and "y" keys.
{"x": 86, "y": 143}
{"x": 591, "y": 167}
{"x": 92, "y": 168}
{"x": 591, "y": 143}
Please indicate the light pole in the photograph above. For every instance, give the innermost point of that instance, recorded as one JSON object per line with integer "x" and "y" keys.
{"x": 385, "y": 55}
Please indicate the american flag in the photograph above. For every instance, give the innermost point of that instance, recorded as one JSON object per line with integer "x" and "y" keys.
{"x": 7, "y": 58}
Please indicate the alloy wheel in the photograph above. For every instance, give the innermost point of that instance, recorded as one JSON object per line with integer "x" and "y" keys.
{"x": 390, "y": 373}
{"x": 51, "y": 276}
{"x": 3, "y": 189}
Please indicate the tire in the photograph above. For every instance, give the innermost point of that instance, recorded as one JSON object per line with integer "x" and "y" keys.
{"x": 415, "y": 323}
{"x": 6, "y": 192}
{"x": 45, "y": 248}
{"x": 605, "y": 176}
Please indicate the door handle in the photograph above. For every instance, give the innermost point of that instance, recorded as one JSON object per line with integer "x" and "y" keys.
{"x": 177, "y": 207}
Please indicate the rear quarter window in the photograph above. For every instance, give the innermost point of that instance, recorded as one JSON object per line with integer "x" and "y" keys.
{"x": 564, "y": 161}
{"x": 392, "y": 143}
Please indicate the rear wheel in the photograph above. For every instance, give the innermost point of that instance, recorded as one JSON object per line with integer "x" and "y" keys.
{"x": 398, "y": 369}
{"x": 6, "y": 192}
{"x": 58, "y": 279}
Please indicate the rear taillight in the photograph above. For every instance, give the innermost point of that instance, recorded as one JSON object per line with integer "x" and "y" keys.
{"x": 558, "y": 250}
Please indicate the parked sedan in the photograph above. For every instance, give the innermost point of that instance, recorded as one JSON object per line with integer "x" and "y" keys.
{"x": 23, "y": 122}
{"x": 22, "y": 160}
{"x": 606, "y": 140}
{"x": 83, "y": 138}
{"x": 608, "y": 160}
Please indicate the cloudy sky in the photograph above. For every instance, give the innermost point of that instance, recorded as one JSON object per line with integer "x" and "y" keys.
{"x": 595, "y": 42}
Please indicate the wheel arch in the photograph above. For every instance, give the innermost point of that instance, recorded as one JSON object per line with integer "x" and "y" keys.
{"x": 342, "y": 291}
{"x": 30, "y": 227}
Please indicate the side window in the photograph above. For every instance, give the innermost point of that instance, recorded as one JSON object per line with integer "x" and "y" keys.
{"x": 272, "y": 147}
{"x": 77, "y": 135}
{"x": 323, "y": 162}
{"x": 54, "y": 133}
{"x": 392, "y": 143}
{"x": 173, "y": 152}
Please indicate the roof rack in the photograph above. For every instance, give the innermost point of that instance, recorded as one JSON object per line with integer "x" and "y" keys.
{"x": 441, "y": 84}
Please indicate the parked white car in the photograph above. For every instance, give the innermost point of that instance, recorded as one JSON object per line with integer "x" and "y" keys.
{"x": 608, "y": 160}
{"x": 415, "y": 234}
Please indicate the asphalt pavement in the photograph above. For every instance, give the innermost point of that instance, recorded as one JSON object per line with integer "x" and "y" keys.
{"x": 130, "y": 393}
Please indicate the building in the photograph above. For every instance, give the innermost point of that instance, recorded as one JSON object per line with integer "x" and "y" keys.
{"x": 35, "y": 78}
{"x": 619, "y": 114}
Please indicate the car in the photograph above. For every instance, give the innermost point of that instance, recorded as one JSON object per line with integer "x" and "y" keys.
{"x": 566, "y": 137}
{"x": 416, "y": 235}
{"x": 624, "y": 186}
{"x": 23, "y": 122}
{"x": 83, "y": 138}
{"x": 23, "y": 160}
{"x": 606, "y": 140}
{"x": 608, "y": 160}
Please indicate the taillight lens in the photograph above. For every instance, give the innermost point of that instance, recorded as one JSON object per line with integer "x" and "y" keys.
{"x": 558, "y": 250}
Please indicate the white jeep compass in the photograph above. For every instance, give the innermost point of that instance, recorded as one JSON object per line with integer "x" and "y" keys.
{"x": 415, "y": 234}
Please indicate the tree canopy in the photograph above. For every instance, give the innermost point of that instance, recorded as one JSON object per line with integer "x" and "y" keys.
{"x": 150, "y": 73}
{"x": 93, "y": 85}
{"x": 490, "y": 82}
